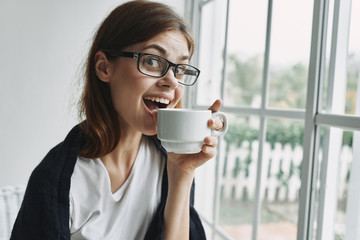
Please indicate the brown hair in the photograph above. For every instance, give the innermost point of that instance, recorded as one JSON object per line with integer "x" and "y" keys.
{"x": 129, "y": 23}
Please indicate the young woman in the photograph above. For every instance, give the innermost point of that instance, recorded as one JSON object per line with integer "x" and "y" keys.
{"x": 110, "y": 178}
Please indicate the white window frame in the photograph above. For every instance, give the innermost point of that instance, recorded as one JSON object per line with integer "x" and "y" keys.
{"x": 312, "y": 116}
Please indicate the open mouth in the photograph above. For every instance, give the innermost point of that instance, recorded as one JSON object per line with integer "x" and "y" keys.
{"x": 156, "y": 103}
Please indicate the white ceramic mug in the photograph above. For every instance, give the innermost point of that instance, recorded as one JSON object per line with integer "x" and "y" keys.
{"x": 184, "y": 130}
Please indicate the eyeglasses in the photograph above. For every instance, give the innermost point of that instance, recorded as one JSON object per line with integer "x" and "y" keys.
{"x": 156, "y": 66}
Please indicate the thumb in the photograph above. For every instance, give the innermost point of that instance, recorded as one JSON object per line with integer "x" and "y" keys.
{"x": 215, "y": 107}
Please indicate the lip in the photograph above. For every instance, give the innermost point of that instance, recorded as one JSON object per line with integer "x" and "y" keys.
{"x": 159, "y": 100}
{"x": 167, "y": 97}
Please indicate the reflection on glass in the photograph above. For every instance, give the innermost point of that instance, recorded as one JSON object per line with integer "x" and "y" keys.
{"x": 245, "y": 53}
{"x": 289, "y": 53}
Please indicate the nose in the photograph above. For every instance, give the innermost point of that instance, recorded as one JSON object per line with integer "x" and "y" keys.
{"x": 169, "y": 80}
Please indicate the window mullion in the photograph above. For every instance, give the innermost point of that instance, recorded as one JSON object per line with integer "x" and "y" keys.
{"x": 315, "y": 75}
{"x": 217, "y": 168}
{"x": 223, "y": 75}
{"x": 195, "y": 19}
{"x": 263, "y": 121}
{"x": 333, "y": 136}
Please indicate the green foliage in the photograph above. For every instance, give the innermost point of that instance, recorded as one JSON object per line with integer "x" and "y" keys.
{"x": 292, "y": 134}
{"x": 352, "y": 82}
{"x": 348, "y": 138}
{"x": 288, "y": 86}
{"x": 277, "y": 132}
{"x": 238, "y": 133}
{"x": 244, "y": 78}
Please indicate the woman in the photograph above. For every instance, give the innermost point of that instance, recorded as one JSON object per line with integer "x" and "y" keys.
{"x": 109, "y": 179}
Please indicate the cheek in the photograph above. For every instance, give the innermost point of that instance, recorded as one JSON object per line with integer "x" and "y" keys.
{"x": 179, "y": 92}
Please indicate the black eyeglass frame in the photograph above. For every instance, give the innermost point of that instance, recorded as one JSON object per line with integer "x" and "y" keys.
{"x": 137, "y": 56}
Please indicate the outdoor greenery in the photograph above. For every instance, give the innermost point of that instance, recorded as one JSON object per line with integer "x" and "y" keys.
{"x": 292, "y": 133}
{"x": 244, "y": 79}
{"x": 353, "y": 77}
{"x": 287, "y": 90}
{"x": 287, "y": 84}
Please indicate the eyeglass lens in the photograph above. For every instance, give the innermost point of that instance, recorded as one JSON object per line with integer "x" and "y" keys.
{"x": 156, "y": 66}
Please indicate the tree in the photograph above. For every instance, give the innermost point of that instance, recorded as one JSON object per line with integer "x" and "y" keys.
{"x": 243, "y": 79}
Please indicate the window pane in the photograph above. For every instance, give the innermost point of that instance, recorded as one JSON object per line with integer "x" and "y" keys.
{"x": 245, "y": 53}
{"x": 324, "y": 92}
{"x": 211, "y": 47}
{"x": 337, "y": 185}
{"x": 341, "y": 94}
{"x": 289, "y": 53}
{"x": 283, "y": 154}
{"x": 238, "y": 177}
{"x": 353, "y": 64}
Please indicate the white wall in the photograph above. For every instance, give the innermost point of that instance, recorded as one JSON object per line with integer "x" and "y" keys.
{"x": 42, "y": 48}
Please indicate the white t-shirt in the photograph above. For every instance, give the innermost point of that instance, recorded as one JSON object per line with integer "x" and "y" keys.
{"x": 96, "y": 213}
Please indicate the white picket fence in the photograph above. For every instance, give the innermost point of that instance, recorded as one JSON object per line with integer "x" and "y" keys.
{"x": 280, "y": 175}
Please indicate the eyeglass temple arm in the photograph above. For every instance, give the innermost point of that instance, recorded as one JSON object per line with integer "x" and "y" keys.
{"x": 123, "y": 54}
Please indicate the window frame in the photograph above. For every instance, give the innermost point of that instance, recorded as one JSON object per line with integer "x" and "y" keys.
{"x": 313, "y": 116}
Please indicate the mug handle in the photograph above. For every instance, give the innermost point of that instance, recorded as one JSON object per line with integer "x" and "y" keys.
{"x": 223, "y": 118}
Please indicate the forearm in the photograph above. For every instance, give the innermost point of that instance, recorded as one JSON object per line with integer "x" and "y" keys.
{"x": 177, "y": 208}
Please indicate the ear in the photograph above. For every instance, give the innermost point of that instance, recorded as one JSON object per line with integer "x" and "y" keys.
{"x": 102, "y": 66}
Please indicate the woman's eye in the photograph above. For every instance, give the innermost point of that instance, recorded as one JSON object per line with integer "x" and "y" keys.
{"x": 152, "y": 62}
{"x": 180, "y": 70}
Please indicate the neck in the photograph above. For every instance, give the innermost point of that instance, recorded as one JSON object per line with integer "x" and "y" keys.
{"x": 120, "y": 161}
{"x": 126, "y": 150}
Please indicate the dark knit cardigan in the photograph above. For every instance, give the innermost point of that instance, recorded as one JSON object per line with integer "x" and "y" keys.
{"x": 44, "y": 212}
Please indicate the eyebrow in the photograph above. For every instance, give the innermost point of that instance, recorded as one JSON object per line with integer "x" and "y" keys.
{"x": 163, "y": 51}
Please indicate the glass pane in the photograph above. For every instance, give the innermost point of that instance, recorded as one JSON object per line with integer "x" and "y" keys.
{"x": 337, "y": 185}
{"x": 342, "y": 95}
{"x": 353, "y": 64}
{"x": 245, "y": 53}
{"x": 323, "y": 93}
{"x": 283, "y": 154}
{"x": 211, "y": 47}
{"x": 238, "y": 165}
{"x": 289, "y": 53}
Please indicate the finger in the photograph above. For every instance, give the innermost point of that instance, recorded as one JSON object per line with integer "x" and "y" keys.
{"x": 208, "y": 151}
{"x": 215, "y": 107}
{"x": 216, "y": 123}
{"x": 211, "y": 141}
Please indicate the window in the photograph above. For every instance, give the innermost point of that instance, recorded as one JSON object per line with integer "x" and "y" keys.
{"x": 288, "y": 74}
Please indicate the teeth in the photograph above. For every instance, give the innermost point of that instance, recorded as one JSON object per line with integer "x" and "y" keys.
{"x": 160, "y": 100}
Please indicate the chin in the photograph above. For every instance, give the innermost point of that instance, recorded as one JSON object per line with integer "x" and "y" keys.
{"x": 150, "y": 131}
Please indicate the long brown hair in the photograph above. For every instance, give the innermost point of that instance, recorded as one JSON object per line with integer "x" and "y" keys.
{"x": 129, "y": 23}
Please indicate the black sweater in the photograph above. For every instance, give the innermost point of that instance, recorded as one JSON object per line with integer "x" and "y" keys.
{"x": 44, "y": 212}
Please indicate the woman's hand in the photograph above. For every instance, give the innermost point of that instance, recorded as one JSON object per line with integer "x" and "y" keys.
{"x": 181, "y": 171}
{"x": 187, "y": 163}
